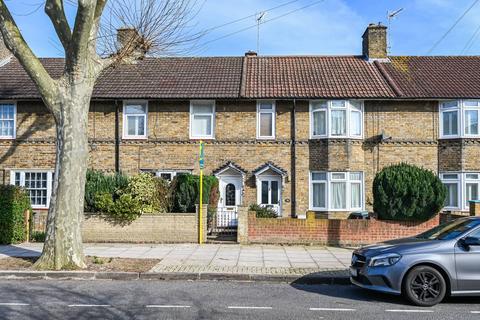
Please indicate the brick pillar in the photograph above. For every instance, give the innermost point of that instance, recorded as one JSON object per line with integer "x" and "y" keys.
{"x": 242, "y": 229}
{"x": 475, "y": 207}
{"x": 310, "y": 217}
{"x": 204, "y": 220}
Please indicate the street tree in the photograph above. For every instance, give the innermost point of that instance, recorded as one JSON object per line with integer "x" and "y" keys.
{"x": 91, "y": 47}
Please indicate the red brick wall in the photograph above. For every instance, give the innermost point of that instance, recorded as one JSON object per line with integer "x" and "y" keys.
{"x": 322, "y": 231}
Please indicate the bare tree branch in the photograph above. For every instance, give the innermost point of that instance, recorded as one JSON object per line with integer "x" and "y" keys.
{"x": 55, "y": 10}
{"x": 16, "y": 44}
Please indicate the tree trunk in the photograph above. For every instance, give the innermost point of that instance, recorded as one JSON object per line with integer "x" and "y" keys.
{"x": 63, "y": 248}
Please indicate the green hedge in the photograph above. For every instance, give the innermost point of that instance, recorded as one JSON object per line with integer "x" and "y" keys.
{"x": 406, "y": 192}
{"x": 98, "y": 182}
{"x": 186, "y": 192}
{"x": 14, "y": 201}
{"x": 263, "y": 212}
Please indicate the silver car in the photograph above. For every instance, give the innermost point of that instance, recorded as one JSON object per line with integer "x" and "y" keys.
{"x": 442, "y": 261}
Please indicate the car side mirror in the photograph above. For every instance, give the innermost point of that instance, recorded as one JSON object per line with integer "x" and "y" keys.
{"x": 470, "y": 241}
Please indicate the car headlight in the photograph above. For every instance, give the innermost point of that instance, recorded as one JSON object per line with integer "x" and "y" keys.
{"x": 384, "y": 260}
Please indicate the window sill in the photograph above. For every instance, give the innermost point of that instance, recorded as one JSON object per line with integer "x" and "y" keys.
{"x": 335, "y": 137}
{"x": 202, "y": 138}
{"x": 7, "y": 138}
{"x": 135, "y": 138}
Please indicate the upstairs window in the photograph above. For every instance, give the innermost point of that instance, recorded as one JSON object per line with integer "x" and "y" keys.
{"x": 336, "y": 119}
{"x": 8, "y": 113}
{"x": 266, "y": 120}
{"x": 459, "y": 118}
{"x": 135, "y": 120}
{"x": 202, "y": 119}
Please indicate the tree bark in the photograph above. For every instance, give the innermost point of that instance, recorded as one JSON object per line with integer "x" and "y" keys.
{"x": 63, "y": 248}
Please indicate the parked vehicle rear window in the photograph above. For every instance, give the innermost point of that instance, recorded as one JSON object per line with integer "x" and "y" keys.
{"x": 449, "y": 230}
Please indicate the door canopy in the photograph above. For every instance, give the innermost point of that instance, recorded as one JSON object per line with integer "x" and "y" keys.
{"x": 269, "y": 168}
{"x": 230, "y": 169}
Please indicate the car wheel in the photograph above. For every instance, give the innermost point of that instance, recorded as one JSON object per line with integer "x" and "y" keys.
{"x": 425, "y": 286}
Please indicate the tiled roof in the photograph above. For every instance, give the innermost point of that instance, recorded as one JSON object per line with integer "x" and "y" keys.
{"x": 313, "y": 77}
{"x": 434, "y": 77}
{"x": 150, "y": 78}
{"x": 306, "y": 77}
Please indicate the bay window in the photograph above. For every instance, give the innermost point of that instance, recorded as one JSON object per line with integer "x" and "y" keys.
{"x": 459, "y": 118}
{"x": 38, "y": 185}
{"x": 336, "y": 191}
{"x": 202, "y": 120}
{"x": 135, "y": 120}
{"x": 336, "y": 119}
{"x": 461, "y": 188}
{"x": 266, "y": 120}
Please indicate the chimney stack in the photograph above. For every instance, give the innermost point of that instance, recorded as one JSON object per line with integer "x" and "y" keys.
{"x": 4, "y": 52}
{"x": 375, "y": 42}
{"x": 132, "y": 43}
{"x": 250, "y": 53}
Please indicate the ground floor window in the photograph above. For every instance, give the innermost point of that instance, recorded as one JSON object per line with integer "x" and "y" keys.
{"x": 166, "y": 174}
{"x": 336, "y": 191}
{"x": 461, "y": 188}
{"x": 38, "y": 185}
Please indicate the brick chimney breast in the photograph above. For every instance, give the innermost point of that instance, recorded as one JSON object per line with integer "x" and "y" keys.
{"x": 4, "y": 52}
{"x": 129, "y": 40}
{"x": 375, "y": 42}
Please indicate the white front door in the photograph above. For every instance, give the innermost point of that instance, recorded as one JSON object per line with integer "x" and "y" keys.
{"x": 230, "y": 198}
{"x": 269, "y": 193}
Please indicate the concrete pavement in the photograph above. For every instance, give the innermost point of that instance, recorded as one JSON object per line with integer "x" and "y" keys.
{"x": 216, "y": 258}
{"x": 212, "y": 300}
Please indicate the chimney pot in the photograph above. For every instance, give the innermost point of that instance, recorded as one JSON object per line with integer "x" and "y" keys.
{"x": 250, "y": 53}
{"x": 375, "y": 42}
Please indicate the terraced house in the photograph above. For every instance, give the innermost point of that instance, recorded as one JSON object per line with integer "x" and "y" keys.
{"x": 296, "y": 133}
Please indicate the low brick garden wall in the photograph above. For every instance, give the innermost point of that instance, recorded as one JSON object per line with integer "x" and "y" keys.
{"x": 325, "y": 232}
{"x": 157, "y": 228}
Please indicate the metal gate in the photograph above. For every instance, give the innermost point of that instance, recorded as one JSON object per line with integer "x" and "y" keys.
{"x": 223, "y": 225}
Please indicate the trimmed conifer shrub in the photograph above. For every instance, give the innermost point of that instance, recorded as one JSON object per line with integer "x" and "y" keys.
{"x": 14, "y": 201}
{"x": 186, "y": 192}
{"x": 407, "y": 192}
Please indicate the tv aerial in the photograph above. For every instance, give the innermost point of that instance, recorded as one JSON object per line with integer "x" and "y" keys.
{"x": 390, "y": 16}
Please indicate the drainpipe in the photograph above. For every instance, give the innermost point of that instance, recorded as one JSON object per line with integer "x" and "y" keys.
{"x": 117, "y": 137}
{"x": 293, "y": 157}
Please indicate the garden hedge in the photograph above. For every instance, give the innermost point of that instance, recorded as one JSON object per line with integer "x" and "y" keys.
{"x": 14, "y": 201}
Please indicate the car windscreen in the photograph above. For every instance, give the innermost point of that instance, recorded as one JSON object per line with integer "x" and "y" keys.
{"x": 449, "y": 230}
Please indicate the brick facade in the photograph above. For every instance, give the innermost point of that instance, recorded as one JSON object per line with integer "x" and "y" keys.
{"x": 410, "y": 129}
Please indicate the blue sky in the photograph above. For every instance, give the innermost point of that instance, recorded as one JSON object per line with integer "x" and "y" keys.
{"x": 332, "y": 27}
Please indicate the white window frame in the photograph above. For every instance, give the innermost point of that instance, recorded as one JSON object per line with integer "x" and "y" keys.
{"x": 22, "y": 183}
{"x": 173, "y": 173}
{"x": 273, "y": 112}
{"x": 14, "y": 136}
{"x": 461, "y": 108}
{"x": 461, "y": 181}
{"x": 212, "y": 115}
{"x": 125, "y": 134}
{"x": 349, "y": 107}
{"x": 329, "y": 179}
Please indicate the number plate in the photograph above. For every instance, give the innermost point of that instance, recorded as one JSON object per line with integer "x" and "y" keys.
{"x": 353, "y": 272}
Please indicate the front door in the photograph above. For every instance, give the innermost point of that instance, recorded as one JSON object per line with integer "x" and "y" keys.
{"x": 270, "y": 193}
{"x": 230, "y": 199}
{"x": 467, "y": 262}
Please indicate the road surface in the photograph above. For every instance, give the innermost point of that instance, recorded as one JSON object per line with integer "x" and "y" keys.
{"x": 211, "y": 300}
